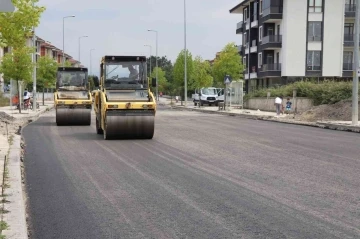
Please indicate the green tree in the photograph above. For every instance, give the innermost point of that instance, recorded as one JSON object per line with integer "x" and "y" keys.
{"x": 17, "y": 26}
{"x": 228, "y": 63}
{"x": 46, "y": 72}
{"x": 18, "y": 66}
{"x": 202, "y": 74}
{"x": 179, "y": 72}
{"x": 162, "y": 82}
{"x": 163, "y": 63}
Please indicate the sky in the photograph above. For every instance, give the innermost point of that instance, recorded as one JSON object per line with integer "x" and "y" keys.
{"x": 119, "y": 27}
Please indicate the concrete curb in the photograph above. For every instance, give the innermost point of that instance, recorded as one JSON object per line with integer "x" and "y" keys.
{"x": 277, "y": 120}
{"x": 16, "y": 217}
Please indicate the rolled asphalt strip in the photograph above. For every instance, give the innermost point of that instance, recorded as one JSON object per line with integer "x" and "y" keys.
{"x": 15, "y": 208}
{"x": 319, "y": 124}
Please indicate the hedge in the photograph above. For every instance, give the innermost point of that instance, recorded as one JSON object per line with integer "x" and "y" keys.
{"x": 326, "y": 92}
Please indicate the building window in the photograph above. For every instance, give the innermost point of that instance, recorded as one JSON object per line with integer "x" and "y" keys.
{"x": 260, "y": 7}
{"x": 348, "y": 60}
{"x": 245, "y": 15}
{"x": 315, "y": 5}
{"x": 260, "y": 33}
{"x": 260, "y": 60}
{"x": 315, "y": 31}
{"x": 244, "y": 62}
{"x": 313, "y": 61}
{"x": 246, "y": 44}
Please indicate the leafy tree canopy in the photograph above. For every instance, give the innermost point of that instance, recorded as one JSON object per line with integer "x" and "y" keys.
{"x": 17, "y": 26}
{"x": 46, "y": 72}
{"x": 202, "y": 74}
{"x": 228, "y": 63}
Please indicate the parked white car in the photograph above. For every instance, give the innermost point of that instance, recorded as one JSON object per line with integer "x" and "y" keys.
{"x": 207, "y": 96}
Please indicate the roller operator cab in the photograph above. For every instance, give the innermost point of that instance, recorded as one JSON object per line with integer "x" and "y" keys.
{"x": 72, "y": 98}
{"x": 124, "y": 105}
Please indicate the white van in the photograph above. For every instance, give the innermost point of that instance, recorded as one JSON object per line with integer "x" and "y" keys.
{"x": 208, "y": 96}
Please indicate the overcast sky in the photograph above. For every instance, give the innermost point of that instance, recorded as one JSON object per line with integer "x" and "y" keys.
{"x": 118, "y": 27}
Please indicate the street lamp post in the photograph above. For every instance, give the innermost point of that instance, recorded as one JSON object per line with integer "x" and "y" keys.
{"x": 91, "y": 62}
{"x": 185, "y": 57}
{"x": 157, "y": 94}
{"x": 150, "y": 58}
{"x": 79, "y": 47}
{"x": 355, "y": 91}
{"x": 64, "y": 37}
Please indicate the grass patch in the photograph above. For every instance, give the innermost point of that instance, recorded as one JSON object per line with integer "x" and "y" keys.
{"x": 4, "y": 101}
{"x": 326, "y": 92}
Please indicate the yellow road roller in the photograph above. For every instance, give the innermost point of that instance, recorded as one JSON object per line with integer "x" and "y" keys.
{"x": 72, "y": 98}
{"x": 124, "y": 105}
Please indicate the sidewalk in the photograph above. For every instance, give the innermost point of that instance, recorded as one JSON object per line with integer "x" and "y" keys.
{"x": 11, "y": 123}
{"x": 264, "y": 115}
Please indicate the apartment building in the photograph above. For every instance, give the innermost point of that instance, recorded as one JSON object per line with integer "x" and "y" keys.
{"x": 43, "y": 48}
{"x": 286, "y": 40}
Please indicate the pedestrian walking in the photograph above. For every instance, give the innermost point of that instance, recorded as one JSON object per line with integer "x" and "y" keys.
{"x": 278, "y": 104}
{"x": 288, "y": 106}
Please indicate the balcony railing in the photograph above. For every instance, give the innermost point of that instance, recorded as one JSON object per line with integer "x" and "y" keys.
{"x": 313, "y": 68}
{"x": 271, "y": 39}
{"x": 272, "y": 10}
{"x": 348, "y": 37}
{"x": 239, "y": 25}
{"x": 350, "y": 8}
{"x": 314, "y": 38}
{"x": 348, "y": 66}
{"x": 271, "y": 67}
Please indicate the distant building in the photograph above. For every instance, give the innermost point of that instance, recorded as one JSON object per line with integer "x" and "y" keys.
{"x": 283, "y": 40}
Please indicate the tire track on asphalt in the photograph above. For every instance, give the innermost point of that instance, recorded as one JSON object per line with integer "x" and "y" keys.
{"x": 252, "y": 186}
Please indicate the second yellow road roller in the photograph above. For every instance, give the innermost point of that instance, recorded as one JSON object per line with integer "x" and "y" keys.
{"x": 124, "y": 105}
{"x": 72, "y": 98}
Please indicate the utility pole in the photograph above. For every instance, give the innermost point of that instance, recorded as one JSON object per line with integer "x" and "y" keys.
{"x": 91, "y": 62}
{"x": 150, "y": 58}
{"x": 355, "y": 93}
{"x": 157, "y": 93}
{"x": 185, "y": 57}
{"x": 79, "y": 48}
{"x": 34, "y": 69}
{"x": 63, "y": 60}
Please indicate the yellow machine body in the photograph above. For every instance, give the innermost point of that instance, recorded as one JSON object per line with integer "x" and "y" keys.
{"x": 72, "y": 98}
{"x": 126, "y": 108}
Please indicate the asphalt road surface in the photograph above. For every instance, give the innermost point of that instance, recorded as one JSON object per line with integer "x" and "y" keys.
{"x": 201, "y": 176}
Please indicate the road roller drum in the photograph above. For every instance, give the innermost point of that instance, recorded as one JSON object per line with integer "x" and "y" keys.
{"x": 68, "y": 116}
{"x": 129, "y": 125}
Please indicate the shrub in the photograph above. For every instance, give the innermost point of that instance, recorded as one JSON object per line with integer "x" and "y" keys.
{"x": 326, "y": 92}
{"x": 3, "y": 100}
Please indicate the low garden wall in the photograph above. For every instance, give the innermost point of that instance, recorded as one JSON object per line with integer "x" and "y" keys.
{"x": 267, "y": 104}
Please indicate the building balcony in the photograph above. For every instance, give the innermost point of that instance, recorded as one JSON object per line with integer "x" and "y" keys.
{"x": 313, "y": 70}
{"x": 271, "y": 14}
{"x": 348, "y": 40}
{"x": 246, "y": 74}
{"x": 253, "y": 48}
{"x": 254, "y": 23}
{"x": 271, "y": 42}
{"x": 253, "y": 75}
{"x": 348, "y": 69}
{"x": 350, "y": 10}
{"x": 240, "y": 27}
{"x": 247, "y": 24}
{"x": 246, "y": 48}
{"x": 269, "y": 70}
